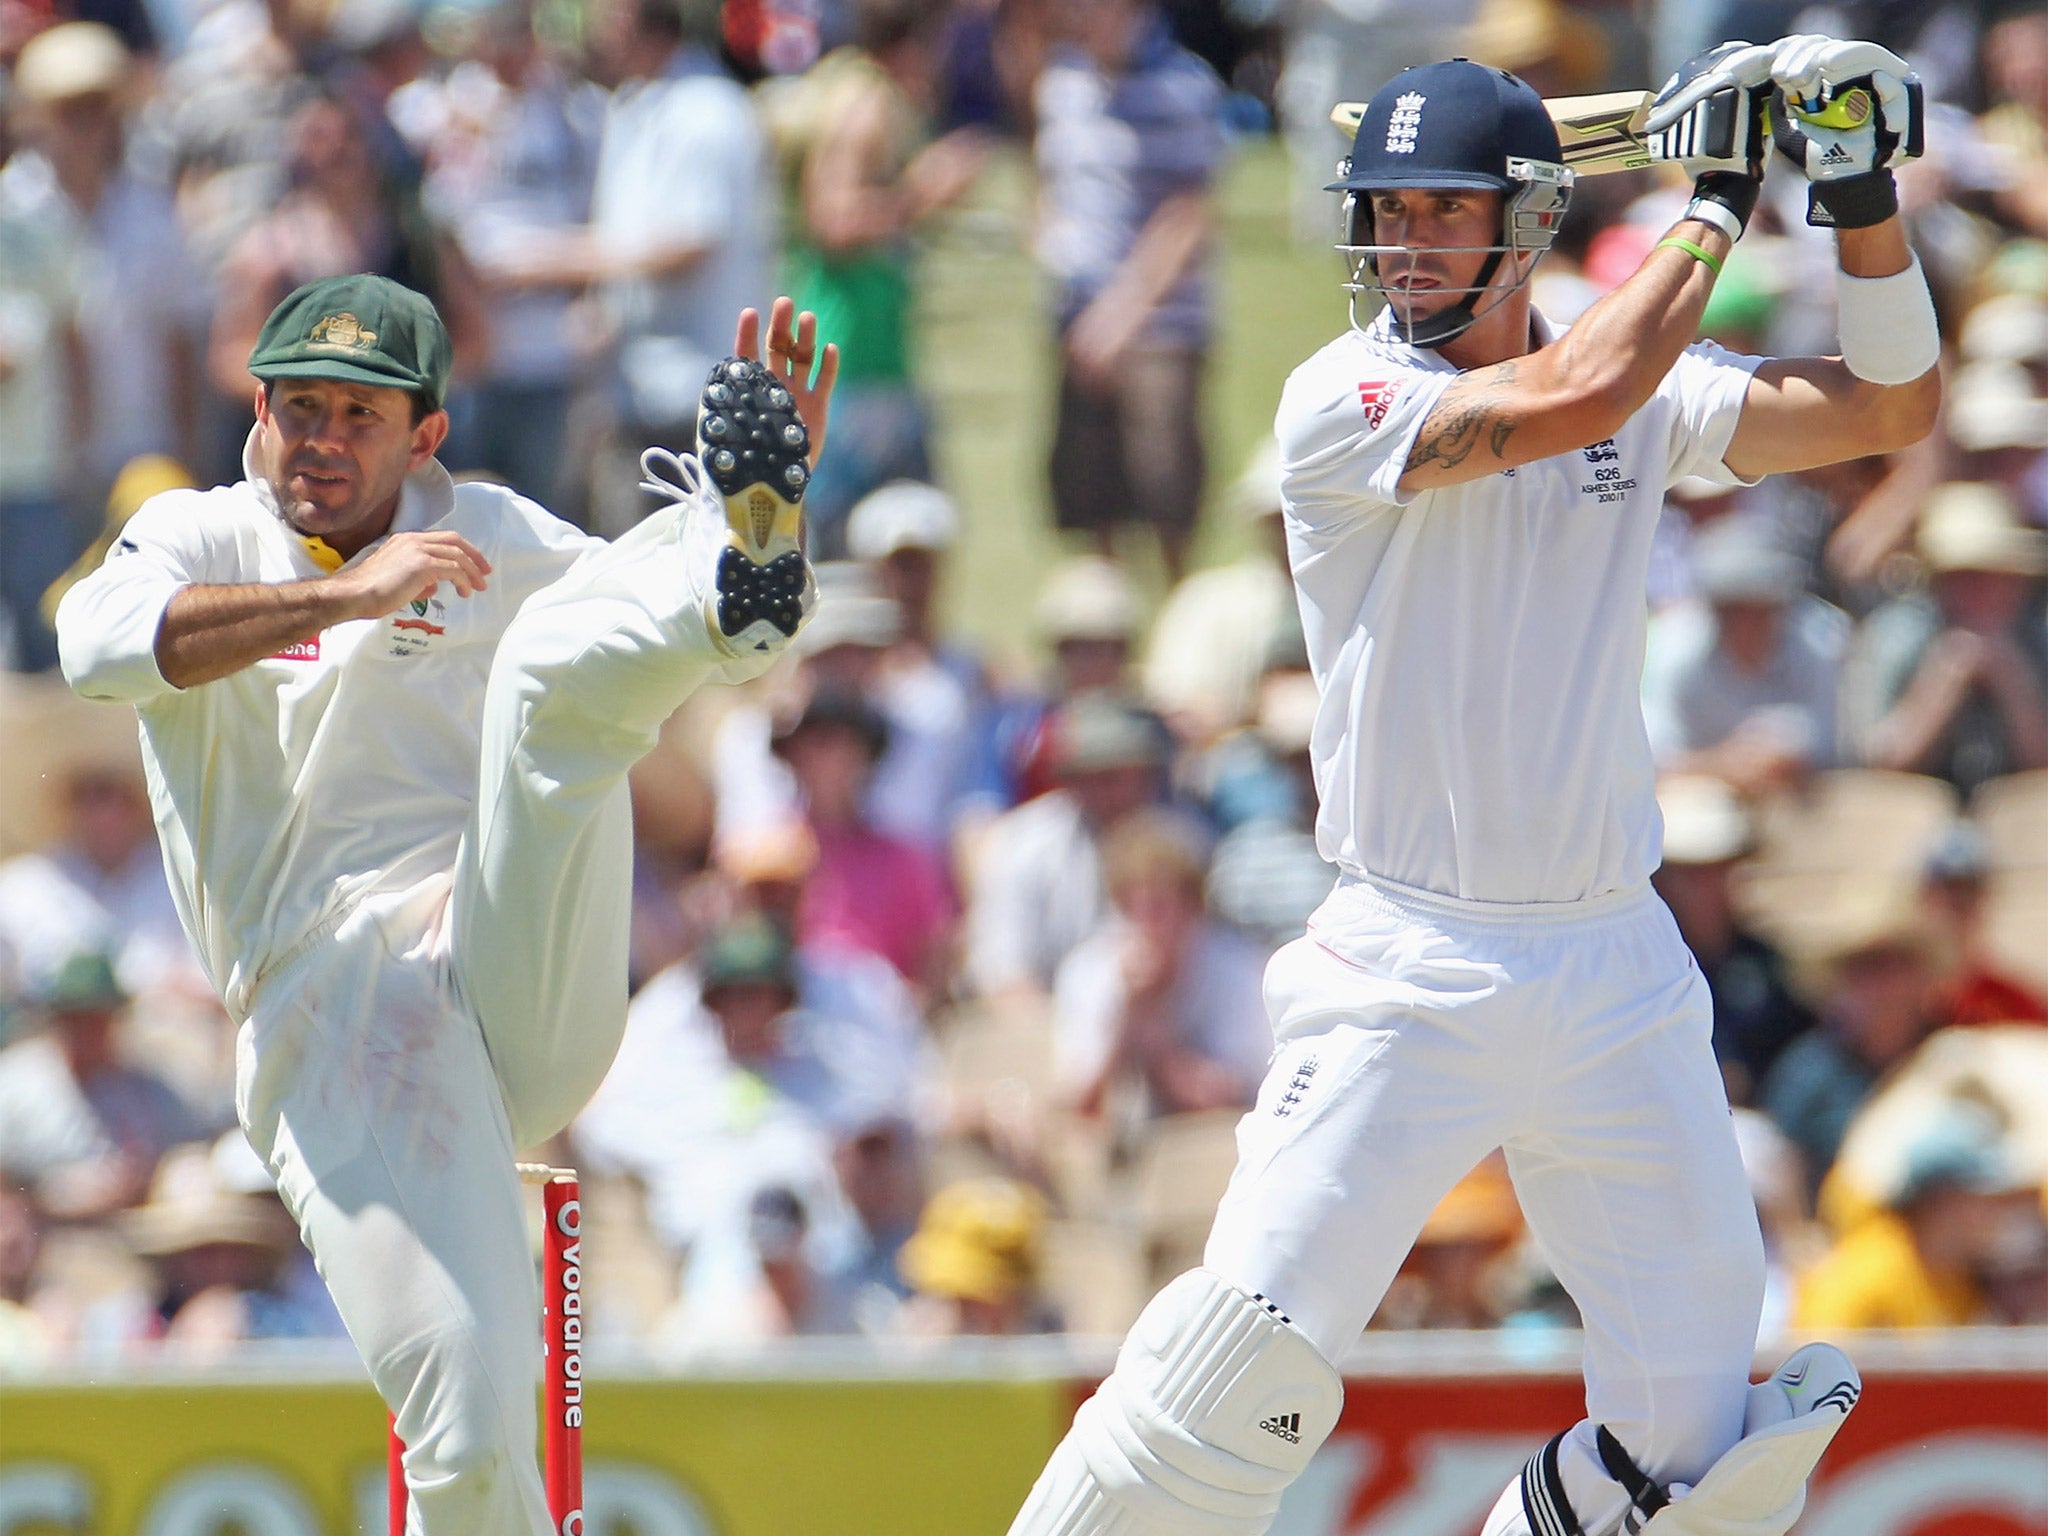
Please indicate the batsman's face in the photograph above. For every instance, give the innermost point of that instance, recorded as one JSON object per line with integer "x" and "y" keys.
{"x": 1431, "y": 273}
{"x": 336, "y": 454}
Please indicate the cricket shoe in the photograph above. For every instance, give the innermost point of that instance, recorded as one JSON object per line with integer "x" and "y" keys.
{"x": 756, "y": 450}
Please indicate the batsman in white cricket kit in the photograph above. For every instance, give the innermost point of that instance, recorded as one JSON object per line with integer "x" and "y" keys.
{"x": 1469, "y": 497}
{"x": 402, "y": 843}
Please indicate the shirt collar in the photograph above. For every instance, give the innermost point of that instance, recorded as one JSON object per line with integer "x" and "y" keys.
{"x": 427, "y": 496}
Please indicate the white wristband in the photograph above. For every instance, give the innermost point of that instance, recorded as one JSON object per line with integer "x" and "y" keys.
{"x": 1887, "y": 325}
{"x": 1720, "y": 215}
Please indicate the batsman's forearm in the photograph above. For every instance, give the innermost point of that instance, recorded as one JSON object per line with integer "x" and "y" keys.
{"x": 211, "y": 632}
{"x": 1619, "y": 351}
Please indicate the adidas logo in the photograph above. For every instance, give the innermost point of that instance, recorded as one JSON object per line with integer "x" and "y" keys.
{"x": 1836, "y": 155}
{"x": 1286, "y": 1425}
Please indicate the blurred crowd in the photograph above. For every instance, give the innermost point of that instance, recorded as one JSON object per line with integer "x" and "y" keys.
{"x": 947, "y": 962}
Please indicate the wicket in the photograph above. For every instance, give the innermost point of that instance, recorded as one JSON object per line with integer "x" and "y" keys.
{"x": 562, "y": 1342}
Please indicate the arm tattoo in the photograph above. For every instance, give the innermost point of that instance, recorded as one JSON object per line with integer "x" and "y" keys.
{"x": 1467, "y": 412}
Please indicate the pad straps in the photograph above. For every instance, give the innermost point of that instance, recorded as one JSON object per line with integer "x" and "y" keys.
{"x": 1645, "y": 1496}
{"x": 1544, "y": 1505}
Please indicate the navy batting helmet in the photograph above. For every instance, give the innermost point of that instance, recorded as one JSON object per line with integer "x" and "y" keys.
{"x": 1454, "y": 124}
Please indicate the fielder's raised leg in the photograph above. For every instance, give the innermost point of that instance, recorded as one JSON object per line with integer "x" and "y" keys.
{"x": 1469, "y": 494}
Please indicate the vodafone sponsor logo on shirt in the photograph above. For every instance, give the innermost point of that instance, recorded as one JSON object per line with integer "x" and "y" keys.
{"x": 1375, "y": 396}
{"x": 303, "y": 650}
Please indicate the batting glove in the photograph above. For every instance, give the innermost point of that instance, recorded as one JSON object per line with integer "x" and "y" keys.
{"x": 1711, "y": 118}
{"x": 1724, "y": 67}
{"x": 1845, "y": 113}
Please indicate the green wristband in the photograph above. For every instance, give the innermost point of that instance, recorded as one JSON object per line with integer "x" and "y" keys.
{"x": 1679, "y": 243}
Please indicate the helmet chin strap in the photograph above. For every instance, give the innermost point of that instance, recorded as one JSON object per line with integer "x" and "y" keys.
{"x": 1448, "y": 325}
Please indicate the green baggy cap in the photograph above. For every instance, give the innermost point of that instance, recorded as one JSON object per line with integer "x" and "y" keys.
{"x": 363, "y": 329}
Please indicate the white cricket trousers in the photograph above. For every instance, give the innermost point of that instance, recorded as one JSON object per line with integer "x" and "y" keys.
{"x": 390, "y": 1067}
{"x": 1417, "y": 1034}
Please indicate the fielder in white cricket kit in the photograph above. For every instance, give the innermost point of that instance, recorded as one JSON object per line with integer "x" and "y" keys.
{"x": 386, "y": 721}
{"x": 1469, "y": 496}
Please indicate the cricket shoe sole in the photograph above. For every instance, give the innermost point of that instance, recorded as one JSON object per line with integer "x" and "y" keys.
{"x": 755, "y": 449}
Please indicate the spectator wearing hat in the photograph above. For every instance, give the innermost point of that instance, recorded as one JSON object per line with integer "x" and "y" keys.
{"x": 744, "y": 1069}
{"x": 1087, "y": 618}
{"x": 976, "y": 1262}
{"x": 1875, "y": 967}
{"x": 766, "y": 874}
{"x": 221, "y": 1259}
{"x": 882, "y": 1183}
{"x": 1129, "y": 140}
{"x": 840, "y": 651}
{"x": 79, "y": 1125}
{"x": 1974, "y": 988}
{"x": 1202, "y": 675}
{"x": 98, "y": 883}
{"x": 141, "y": 301}
{"x": 2008, "y": 328}
{"x": 1955, "y": 682}
{"x": 1160, "y": 1011}
{"x": 1036, "y": 886}
{"x": 1267, "y": 875}
{"x": 1757, "y": 1014}
{"x": 297, "y": 1304}
{"x": 1559, "y": 48}
{"x": 673, "y": 815}
{"x": 1087, "y": 615}
{"x": 1963, "y": 1221}
{"x": 780, "y": 1295}
{"x": 1741, "y": 684}
{"x": 1996, "y": 421}
{"x": 1457, "y": 1275}
{"x": 869, "y": 891}
{"x": 934, "y": 694}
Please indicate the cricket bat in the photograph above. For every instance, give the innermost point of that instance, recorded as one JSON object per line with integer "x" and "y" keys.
{"x": 1600, "y": 134}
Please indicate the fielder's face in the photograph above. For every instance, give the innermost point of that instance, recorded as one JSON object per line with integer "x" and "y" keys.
{"x": 1430, "y": 224}
{"x": 336, "y": 454}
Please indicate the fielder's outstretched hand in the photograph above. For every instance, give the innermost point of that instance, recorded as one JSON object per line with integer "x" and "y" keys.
{"x": 793, "y": 356}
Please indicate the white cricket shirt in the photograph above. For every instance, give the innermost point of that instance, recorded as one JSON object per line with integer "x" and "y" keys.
{"x": 287, "y": 791}
{"x": 1479, "y": 648}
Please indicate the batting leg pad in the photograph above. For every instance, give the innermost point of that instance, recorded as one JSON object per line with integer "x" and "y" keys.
{"x": 1759, "y": 1487}
{"x": 1216, "y": 1404}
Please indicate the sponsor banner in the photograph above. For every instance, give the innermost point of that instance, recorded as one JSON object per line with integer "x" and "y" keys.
{"x": 1928, "y": 1452}
{"x": 660, "y": 1458}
